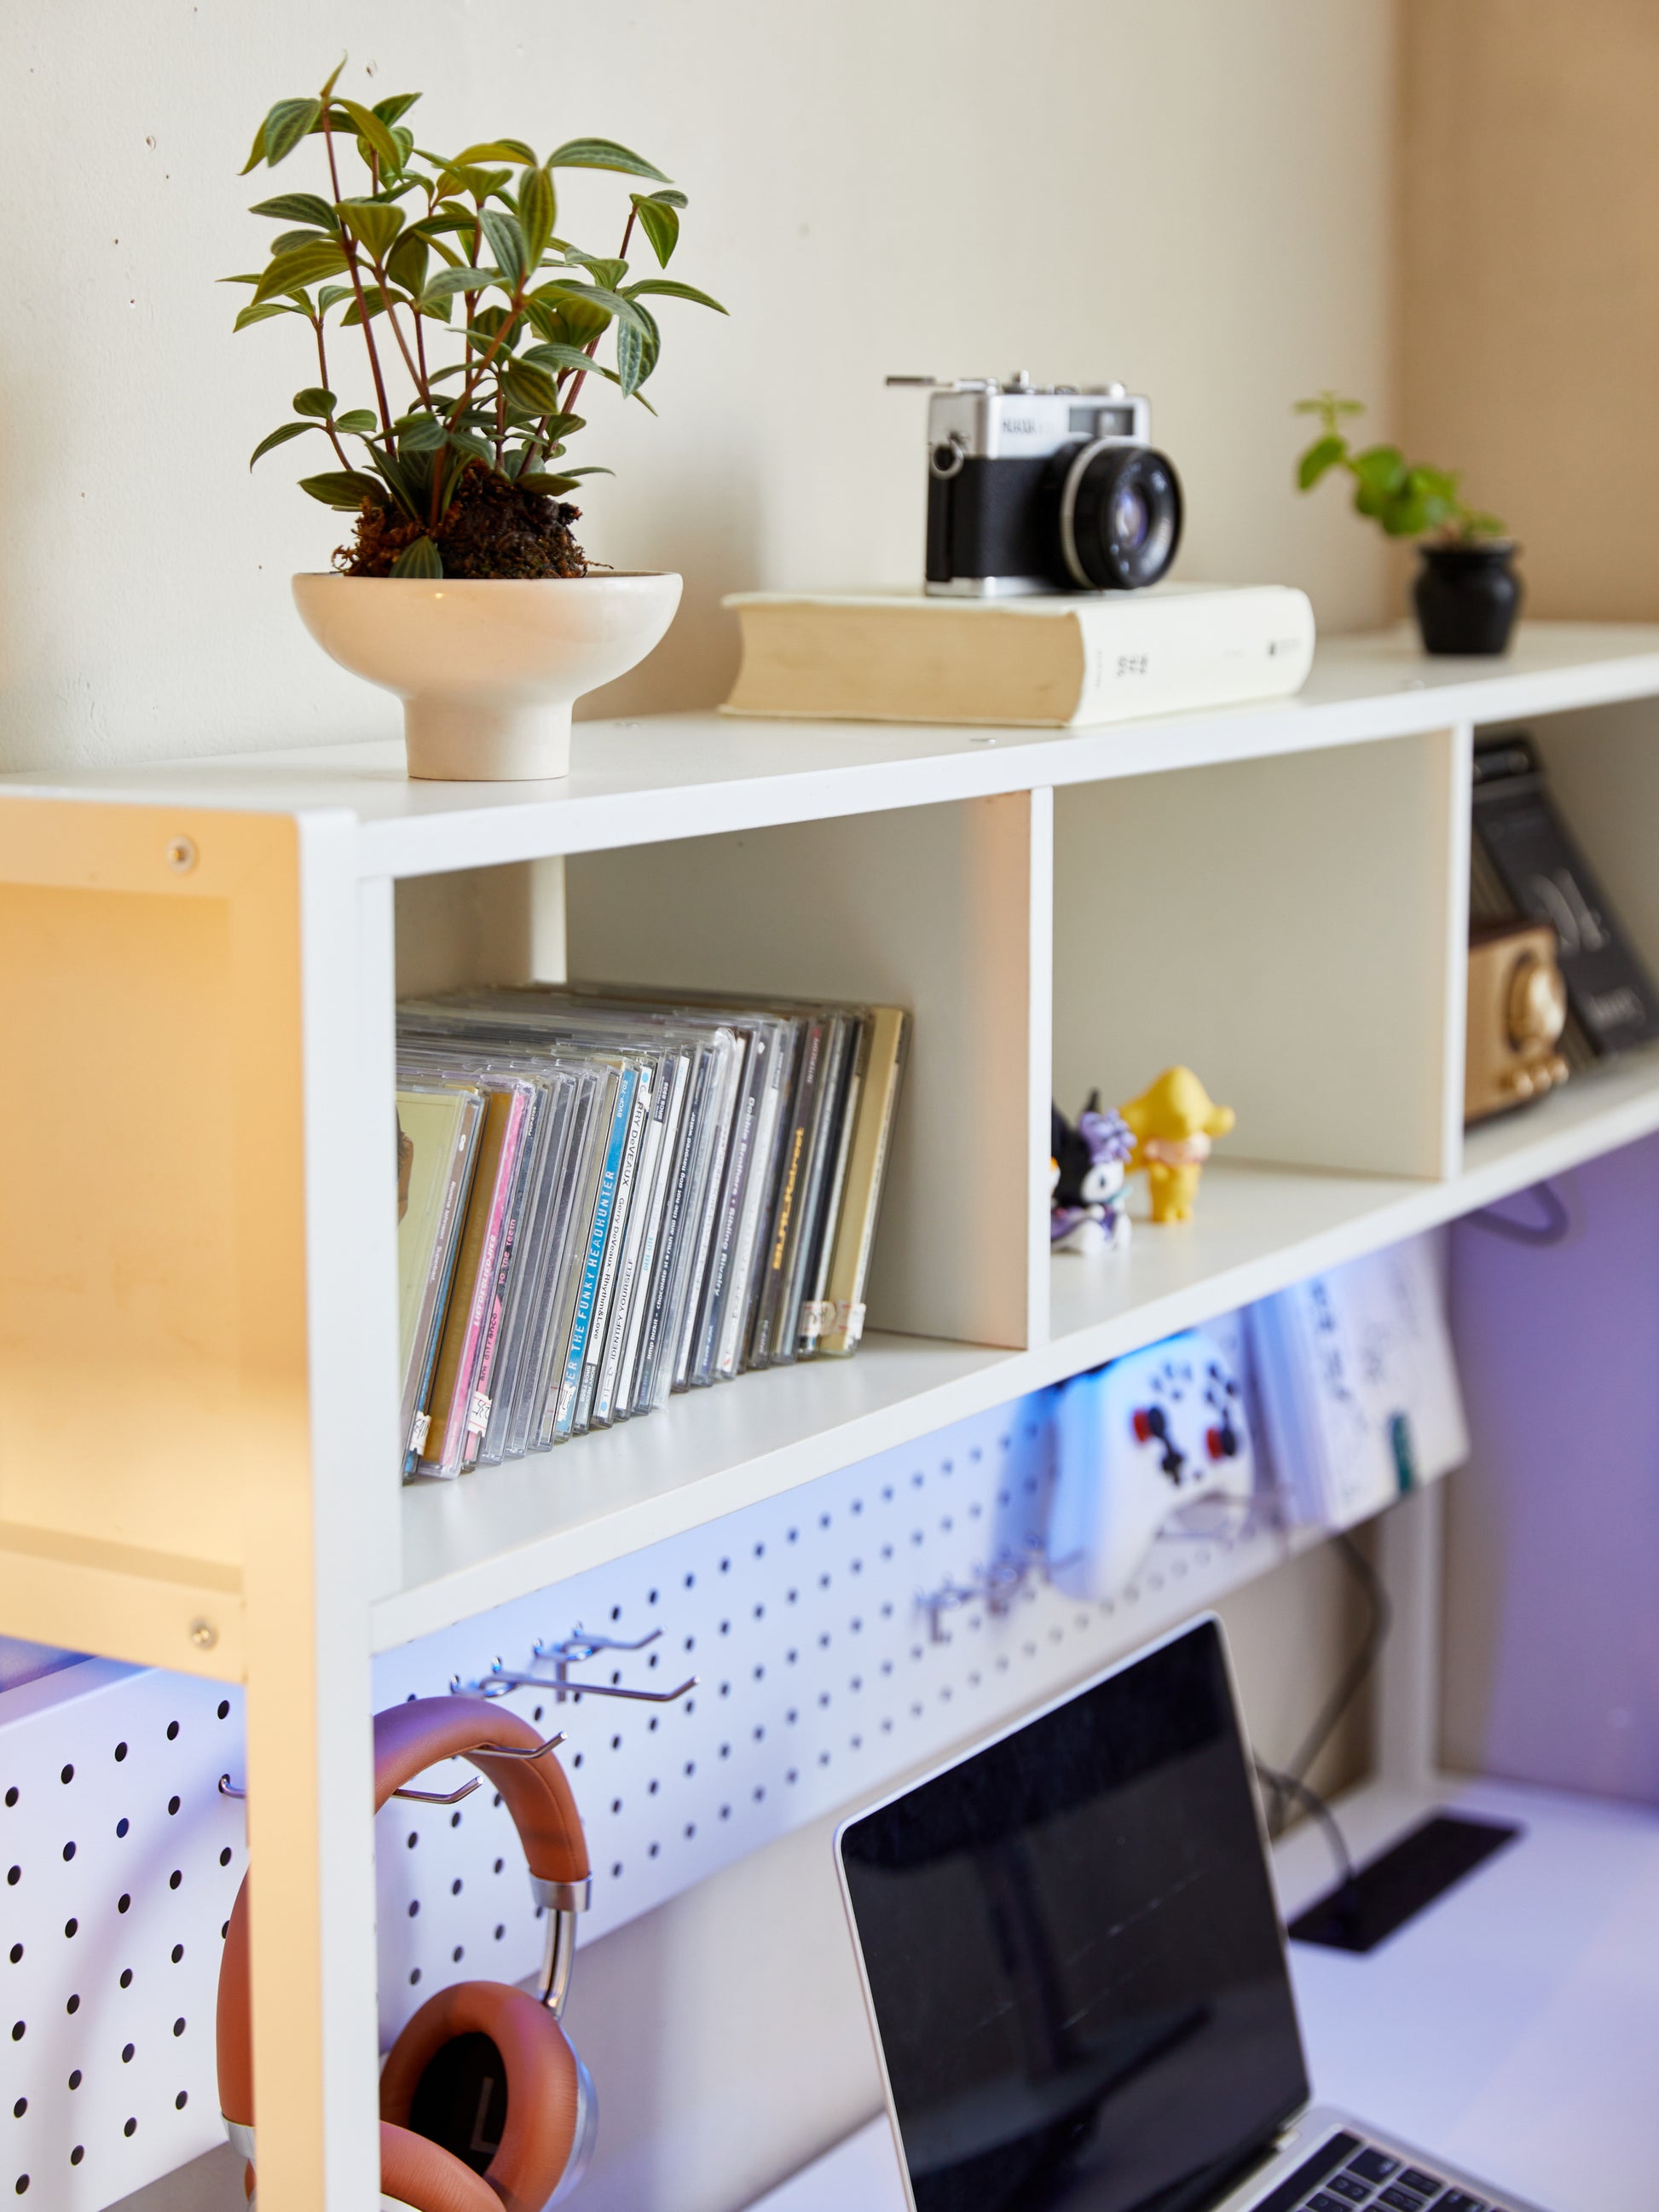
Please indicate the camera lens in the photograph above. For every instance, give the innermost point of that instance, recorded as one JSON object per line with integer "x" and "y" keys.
{"x": 1120, "y": 516}
{"x": 1128, "y": 520}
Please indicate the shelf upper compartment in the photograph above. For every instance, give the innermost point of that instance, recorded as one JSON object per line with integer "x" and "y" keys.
{"x": 501, "y": 1532}
{"x": 674, "y": 776}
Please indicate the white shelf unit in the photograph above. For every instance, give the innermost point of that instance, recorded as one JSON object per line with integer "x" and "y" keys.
{"x": 198, "y": 964}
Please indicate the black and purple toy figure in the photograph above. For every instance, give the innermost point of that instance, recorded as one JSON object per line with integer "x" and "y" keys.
{"x": 1088, "y": 1165}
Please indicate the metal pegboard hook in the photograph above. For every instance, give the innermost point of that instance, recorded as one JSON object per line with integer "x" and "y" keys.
{"x": 500, "y": 1680}
{"x": 227, "y": 1789}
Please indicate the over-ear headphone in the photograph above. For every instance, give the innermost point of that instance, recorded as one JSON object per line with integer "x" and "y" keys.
{"x": 482, "y": 2071}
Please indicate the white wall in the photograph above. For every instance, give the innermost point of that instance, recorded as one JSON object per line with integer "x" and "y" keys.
{"x": 1194, "y": 197}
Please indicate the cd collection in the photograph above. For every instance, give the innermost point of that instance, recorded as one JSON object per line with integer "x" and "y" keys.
{"x": 607, "y": 1196}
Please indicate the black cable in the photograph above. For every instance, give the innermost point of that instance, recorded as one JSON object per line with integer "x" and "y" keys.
{"x": 1555, "y": 1227}
{"x": 1289, "y": 1785}
{"x": 1357, "y": 1671}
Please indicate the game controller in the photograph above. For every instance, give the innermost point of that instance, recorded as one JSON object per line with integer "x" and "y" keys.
{"x": 1137, "y": 1444}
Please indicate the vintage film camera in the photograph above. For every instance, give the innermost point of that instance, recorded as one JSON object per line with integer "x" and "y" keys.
{"x": 1037, "y": 488}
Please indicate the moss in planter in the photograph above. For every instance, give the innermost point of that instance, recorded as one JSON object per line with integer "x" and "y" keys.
{"x": 493, "y": 528}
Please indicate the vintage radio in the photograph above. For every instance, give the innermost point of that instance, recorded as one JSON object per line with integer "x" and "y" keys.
{"x": 1517, "y": 1009}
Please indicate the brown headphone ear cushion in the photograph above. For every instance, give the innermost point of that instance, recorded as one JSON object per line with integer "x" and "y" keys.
{"x": 420, "y": 2174}
{"x": 542, "y": 2091}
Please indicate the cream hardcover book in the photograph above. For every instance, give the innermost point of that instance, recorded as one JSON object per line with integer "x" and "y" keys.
{"x": 1062, "y": 660}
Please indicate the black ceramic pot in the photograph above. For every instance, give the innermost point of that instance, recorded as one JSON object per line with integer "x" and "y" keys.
{"x": 1466, "y": 597}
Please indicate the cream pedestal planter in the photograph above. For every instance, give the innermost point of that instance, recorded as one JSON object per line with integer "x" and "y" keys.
{"x": 487, "y": 670}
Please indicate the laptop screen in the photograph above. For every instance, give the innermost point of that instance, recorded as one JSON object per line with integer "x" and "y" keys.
{"x": 1073, "y": 1954}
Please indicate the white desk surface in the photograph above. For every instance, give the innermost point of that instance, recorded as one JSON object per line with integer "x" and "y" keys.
{"x": 1513, "y": 2028}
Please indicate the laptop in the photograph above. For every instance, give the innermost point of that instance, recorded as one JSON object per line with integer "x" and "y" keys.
{"x": 1076, "y": 1976}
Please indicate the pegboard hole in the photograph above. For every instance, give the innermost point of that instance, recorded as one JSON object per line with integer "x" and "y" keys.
{"x": 17, "y": 1950}
{"x": 173, "y": 1731}
{"x": 500, "y": 1931}
{"x": 11, "y": 1795}
{"x": 22, "y": 2183}
{"x": 13, "y": 1876}
{"x": 68, "y": 1852}
{"x": 178, "y": 1953}
{"x": 72, "y": 2004}
{"x": 173, "y": 1804}
{"x": 126, "y": 2054}
{"x": 67, "y": 1775}
{"x": 19, "y": 2030}
{"x": 20, "y": 2108}
{"x": 178, "y": 2027}
{"x": 120, "y": 1751}
{"x": 126, "y": 1977}
{"x": 224, "y": 1856}
{"x": 77, "y": 2154}
{"x": 181, "y": 2100}
{"x": 75, "y": 2079}
{"x": 224, "y": 1715}
{"x": 130, "y": 2128}
{"x": 414, "y": 1977}
{"x": 122, "y": 1827}
{"x": 175, "y": 1878}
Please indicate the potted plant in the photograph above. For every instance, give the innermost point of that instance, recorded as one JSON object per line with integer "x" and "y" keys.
{"x": 1467, "y": 593}
{"x": 476, "y": 325}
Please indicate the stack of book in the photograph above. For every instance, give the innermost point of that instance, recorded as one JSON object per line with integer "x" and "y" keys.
{"x": 606, "y": 1197}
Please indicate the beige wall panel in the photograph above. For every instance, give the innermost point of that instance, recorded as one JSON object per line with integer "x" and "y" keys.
{"x": 1527, "y": 285}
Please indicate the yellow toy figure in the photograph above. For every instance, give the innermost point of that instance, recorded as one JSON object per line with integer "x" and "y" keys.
{"x": 1174, "y": 1121}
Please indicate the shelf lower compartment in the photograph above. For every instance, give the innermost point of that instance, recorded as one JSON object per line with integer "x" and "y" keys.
{"x": 501, "y": 1532}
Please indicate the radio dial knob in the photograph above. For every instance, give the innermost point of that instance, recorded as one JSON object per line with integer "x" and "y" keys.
{"x": 1537, "y": 1011}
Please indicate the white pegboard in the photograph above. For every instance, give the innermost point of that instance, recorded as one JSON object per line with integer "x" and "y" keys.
{"x": 121, "y": 1863}
{"x": 819, "y": 1683}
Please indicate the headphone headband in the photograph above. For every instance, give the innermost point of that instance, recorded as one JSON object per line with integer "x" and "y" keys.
{"x": 408, "y": 1738}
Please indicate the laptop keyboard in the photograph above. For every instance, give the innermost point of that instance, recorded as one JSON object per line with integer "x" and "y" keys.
{"x": 1346, "y": 2171}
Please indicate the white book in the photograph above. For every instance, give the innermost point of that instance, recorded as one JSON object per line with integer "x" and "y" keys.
{"x": 1060, "y": 660}
{"x": 1357, "y": 1385}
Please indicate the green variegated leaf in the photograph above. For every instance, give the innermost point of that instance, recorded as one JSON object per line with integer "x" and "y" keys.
{"x": 281, "y": 438}
{"x": 356, "y": 422}
{"x": 345, "y": 488}
{"x": 375, "y": 302}
{"x": 496, "y": 149}
{"x": 420, "y": 434}
{"x": 537, "y": 211}
{"x": 661, "y": 224}
{"x": 469, "y": 446}
{"x": 597, "y": 295}
{"x": 573, "y": 322}
{"x": 604, "y": 269}
{"x": 448, "y": 281}
{"x": 373, "y": 224}
{"x": 405, "y": 144}
{"x": 398, "y": 104}
{"x": 528, "y": 384}
{"x": 255, "y": 153}
{"x": 299, "y": 207}
{"x": 315, "y": 399}
{"x": 421, "y": 557}
{"x": 398, "y": 481}
{"x": 556, "y": 356}
{"x": 286, "y": 241}
{"x": 464, "y": 176}
{"x": 260, "y": 314}
{"x": 331, "y": 296}
{"x": 374, "y": 134}
{"x": 630, "y": 357}
{"x": 603, "y": 154}
{"x": 508, "y": 244}
{"x": 538, "y": 480}
{"x": 669, "y": 289}
{"x": 407, "y": 261}
{"x": 286, "y": 123}
{"x": 651, "y": 340}
{"x": 304, "y": 264}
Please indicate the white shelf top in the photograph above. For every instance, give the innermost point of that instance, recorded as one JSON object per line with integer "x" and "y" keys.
{"x": 500, "y": 1533}
{"x": 1510, "y": 2029}
{"x": 677, "y": 775}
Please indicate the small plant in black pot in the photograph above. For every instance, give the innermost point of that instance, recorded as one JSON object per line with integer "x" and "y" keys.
{"x": 1467, "y": 593}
